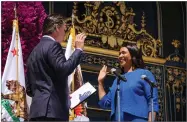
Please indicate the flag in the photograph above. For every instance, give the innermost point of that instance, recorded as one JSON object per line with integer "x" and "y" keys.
{"x": 75, "y": 79}
{"x": 69, "y": 50}
{"x": 14, "y": 103}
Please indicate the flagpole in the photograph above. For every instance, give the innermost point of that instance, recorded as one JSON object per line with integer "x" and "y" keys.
{"x": 72, "y": 116}
{"x": 15, "y": 23}
{"x": 73, "y": 44}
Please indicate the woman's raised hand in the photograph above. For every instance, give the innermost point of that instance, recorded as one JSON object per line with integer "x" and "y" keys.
{"x": 102, "y": 74}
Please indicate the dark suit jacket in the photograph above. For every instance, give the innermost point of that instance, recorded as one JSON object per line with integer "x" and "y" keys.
{"x": 46, "y": 79}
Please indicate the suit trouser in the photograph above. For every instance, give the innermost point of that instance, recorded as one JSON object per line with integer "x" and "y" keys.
{"x": 45, "y": 119}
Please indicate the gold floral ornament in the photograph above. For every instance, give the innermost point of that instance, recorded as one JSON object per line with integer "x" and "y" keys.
{"x": 109, "y": 25}
{"x": 176, "y": 43}
{"x": 176, "y": 57}
{"x": 175, "y": 84}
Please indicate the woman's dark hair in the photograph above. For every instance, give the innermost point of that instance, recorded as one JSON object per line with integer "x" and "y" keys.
{"x": 136, "y": 55}
{"x": 51, "y": 22}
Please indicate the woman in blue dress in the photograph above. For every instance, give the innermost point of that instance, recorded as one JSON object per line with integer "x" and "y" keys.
{"x": 135, "y": 95}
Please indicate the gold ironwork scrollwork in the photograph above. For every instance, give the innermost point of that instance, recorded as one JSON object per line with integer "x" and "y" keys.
{"x": 175, "y": 84}
{"x": 112, "y": 25}
{"x": 176, "y": 57}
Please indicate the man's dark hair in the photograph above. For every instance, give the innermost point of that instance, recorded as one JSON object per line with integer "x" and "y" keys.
{"x": 51, "y": 22}
{"x": 136, "y": 55}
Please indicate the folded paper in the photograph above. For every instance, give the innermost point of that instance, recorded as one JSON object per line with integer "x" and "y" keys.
{"x": 81, "y": 94}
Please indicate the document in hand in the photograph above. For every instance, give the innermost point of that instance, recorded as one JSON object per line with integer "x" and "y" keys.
{"x": 81, "y": 94}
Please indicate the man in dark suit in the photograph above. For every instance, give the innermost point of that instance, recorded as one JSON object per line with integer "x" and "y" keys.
{"x": 48, "y": 70}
